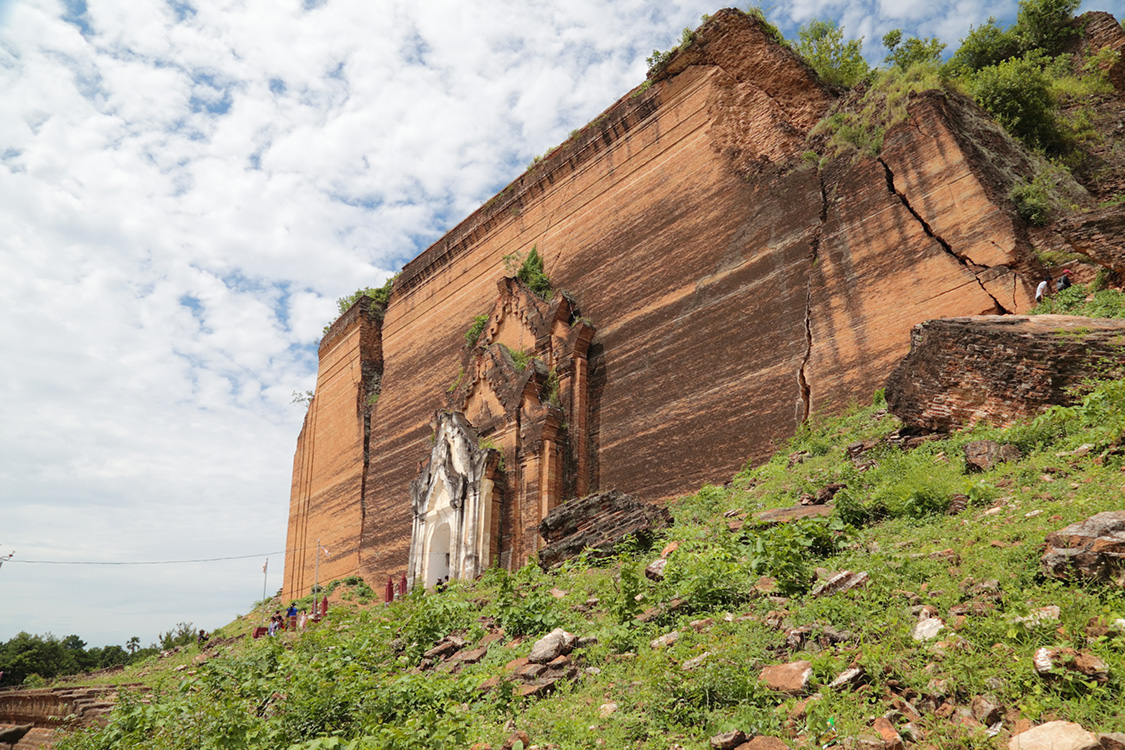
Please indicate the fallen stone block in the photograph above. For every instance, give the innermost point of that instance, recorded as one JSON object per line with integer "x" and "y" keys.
{"x": 665, "y": 640}
{"x": 892, "y": 740}
{"x": 983, "y": 455}
{"x": 1039, "y": 616}
{"x": 792, "y": 678}
{"x": 728, "y": 740}
{"x": 655, "y": 569}
{"x": 774, "y": 516}
{"x": 1047, "y": 662}
{"x": 555, "y": 643}
{"x": 848, "y": 679}
{"x": 1092, "y": 549}
{"x": 986, "y": 710}
{"x": 763, "y": 742}
{"x": 696, "y": 662}
{"x": 1055, "y": 735}
{"x": 845, "y": 580}
{"x": 927, "y": 629}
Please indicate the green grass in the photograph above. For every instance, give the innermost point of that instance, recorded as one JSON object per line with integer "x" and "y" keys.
{"x": 350, "y": 682}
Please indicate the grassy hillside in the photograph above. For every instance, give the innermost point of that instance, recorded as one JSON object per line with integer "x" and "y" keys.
{"x": 355, "y": 681}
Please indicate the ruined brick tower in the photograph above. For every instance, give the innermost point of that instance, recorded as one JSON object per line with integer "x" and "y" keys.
{"x": 713, "y": 288}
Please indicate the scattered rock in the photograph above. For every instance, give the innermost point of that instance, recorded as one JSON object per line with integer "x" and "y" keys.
{"x": 845, "y": 580}
{"x": 558, "y": 593}
{"x": 792, "y": 678}
{"x": 911, "y": 733}
{"x": 471, "y": 657}
{"x": 728, "y": 740}
{"x": 795, "y": 638}
{"x": 669, "y": 549}
{"x": 607, "y": 709}
{"x": 1055, "y": 735}
{"x": 700, "y": 625}
{"x": 554, "y": 644}
{"x": 1039, "y": 616}
{"x": 927, "y": 629}
{"x": 695, "y": 663}
{"x": 1112, "y": 740}
{"x": 518, "y": 736}
{"x": 446, "y": 646}
{"x": 848, "y": 679}
{"x": 891, "y": 738}
{"x": 1094, "y": 548}
{"x": 986, "y": 710}
{"x": 655, "y": 569}
{"x": 1047, "y": 660}
{"x": 958, "y": 504}
{"x": 774, "y": 516}
{"x": 983, "y": 455}
{"x": 824, "y": 495}
{"x": 762, "y": 742}
{"x": 665, "y": 640}
{"x": 536, "y": 690}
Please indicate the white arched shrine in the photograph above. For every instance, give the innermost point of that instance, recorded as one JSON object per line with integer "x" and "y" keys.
{"x": 452, "y": 501}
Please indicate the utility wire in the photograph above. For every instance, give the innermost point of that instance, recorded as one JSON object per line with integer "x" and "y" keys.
{"x": 144, "y": 562}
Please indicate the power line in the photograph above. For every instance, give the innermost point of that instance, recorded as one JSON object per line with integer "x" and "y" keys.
{"x": 141, "y": 562}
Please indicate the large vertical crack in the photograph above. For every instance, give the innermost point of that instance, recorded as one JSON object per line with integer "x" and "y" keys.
{"x": 814, "y": 251}
{"x": 890, "y": 175}
{"x": 371, "y": 387}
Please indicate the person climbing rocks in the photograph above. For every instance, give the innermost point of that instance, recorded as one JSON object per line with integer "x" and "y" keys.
{"x": 1064, "y": 281}
{"x": 1041, "y": 290}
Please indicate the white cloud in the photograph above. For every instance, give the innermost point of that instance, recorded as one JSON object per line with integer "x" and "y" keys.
{"x": 184, "y": 195}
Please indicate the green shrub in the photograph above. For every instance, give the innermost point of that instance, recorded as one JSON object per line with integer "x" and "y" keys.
{"x": 532, "y": 274}
{"x": 884, "y": 104}
{"x": 1032, "y": 201}
{"x": 523, "y": 604}
{"x": 475, "y": 330}
{"x": 914, "y": 51}
{"x": 984, "y": 46}
{"x": 1017, "y": 92}
{"x": 1045, "y": 25}
{"x": 837, "y": 62}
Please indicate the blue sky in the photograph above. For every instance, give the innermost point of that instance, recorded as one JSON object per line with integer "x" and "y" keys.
{"x": 187, "y": 187}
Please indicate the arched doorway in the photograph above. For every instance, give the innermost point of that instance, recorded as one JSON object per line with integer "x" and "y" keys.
{"x": 437, "y": 563}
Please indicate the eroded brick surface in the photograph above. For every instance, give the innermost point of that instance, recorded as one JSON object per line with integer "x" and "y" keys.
{"x": 999, "y": 369}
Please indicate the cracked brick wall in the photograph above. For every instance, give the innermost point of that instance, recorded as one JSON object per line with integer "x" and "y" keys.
{"x": 735, "y": 288}
{"x": 998, "y": 369}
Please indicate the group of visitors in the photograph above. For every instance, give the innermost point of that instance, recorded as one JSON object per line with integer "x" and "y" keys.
{"x": 1061, "y": 283}
{"x": 293, "y": 619}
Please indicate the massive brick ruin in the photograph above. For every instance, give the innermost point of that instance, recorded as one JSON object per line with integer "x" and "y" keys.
{"x": 727, "y": 287}
{"x": 999, "y": 369}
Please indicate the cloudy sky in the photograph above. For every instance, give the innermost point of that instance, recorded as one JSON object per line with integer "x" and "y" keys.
{"x": 186, "y": 186}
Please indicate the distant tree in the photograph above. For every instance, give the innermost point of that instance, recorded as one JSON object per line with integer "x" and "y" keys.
{"x": 914, "y": 51}
{"x": 983, "y": 46}
{"x": 133, "y": 644}
{"x": 108, "y": 656}
{"x": 26, "y": 655}
{"x": 1046, "y": 25}
{"x": 839, "y": 63}
{"x": 181, "y": 635}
